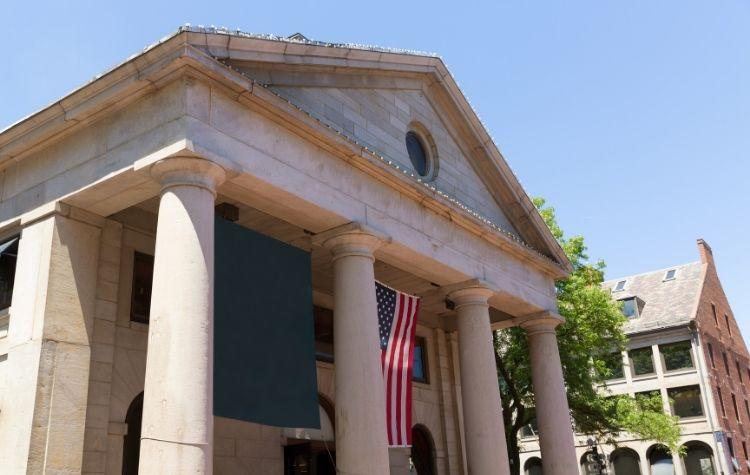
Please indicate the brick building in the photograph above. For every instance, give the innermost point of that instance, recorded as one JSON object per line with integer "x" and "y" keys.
{"x": 685, "y": 345}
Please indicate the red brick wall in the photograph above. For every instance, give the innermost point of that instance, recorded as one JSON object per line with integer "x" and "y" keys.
{"x": 724, "y": 337}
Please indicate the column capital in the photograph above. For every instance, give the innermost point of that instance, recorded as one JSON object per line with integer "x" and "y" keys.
{"x": 470, "y": 292}
{"x": 540, "y": 322}
{"x": 188, "y": 171}
{"x": 352, "y": 239}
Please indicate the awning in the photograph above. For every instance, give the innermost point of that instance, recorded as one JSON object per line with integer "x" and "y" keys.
{"x": 7, "y": 245}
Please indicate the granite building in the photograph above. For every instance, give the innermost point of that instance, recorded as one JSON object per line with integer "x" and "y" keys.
{"x": 369, "y": 159}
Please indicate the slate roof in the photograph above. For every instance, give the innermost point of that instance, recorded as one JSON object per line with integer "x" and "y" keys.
{"x": 667, "y": 303}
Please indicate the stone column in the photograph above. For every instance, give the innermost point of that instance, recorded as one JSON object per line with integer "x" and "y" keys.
{"x": 177, "y": 431}
{"x": 361, "y": 439}
{"x": 552, "y": 411}
{"x": 486, "y": 450}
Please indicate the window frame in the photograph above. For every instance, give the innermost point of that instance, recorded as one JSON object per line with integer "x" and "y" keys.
{"x": 690, "y": 353}
{"x": 617, "y": 287}
{"x": 667, "y": 277}
{"x": 5, "y": 311}
{"x": 422, "y": 343}
{"x": 700, "y": 401}
{"x": 632, "y": 362}
{"x": 636, "y": 307}
{"x": 132, "y": 317}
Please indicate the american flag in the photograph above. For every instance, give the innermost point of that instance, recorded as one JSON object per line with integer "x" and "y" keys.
{"x": 397, "y": 319}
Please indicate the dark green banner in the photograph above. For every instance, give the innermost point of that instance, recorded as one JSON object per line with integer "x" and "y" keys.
{"x": 264, "y": 352}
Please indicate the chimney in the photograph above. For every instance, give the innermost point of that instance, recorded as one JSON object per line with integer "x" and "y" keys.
{"x": 707, "y": 256}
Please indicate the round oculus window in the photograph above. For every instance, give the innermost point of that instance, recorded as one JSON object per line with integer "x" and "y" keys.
{"x": 417, "y": 154}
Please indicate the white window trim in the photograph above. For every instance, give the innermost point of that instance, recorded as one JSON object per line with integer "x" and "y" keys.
{"x": 666, "y": 273}
{"x": 624, "y": 284}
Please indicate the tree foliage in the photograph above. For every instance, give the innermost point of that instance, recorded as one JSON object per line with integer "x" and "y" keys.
{"x": 591, "y": 334}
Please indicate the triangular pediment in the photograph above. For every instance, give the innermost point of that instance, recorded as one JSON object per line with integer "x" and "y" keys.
{"x": 377, "y": 108}
{"x": 378, "y": 113}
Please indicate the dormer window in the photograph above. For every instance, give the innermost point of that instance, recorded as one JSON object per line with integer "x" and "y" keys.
{"x": 619, "y": 286}
{"x": 630, "y": 307}
{"x": 670, "y": 274}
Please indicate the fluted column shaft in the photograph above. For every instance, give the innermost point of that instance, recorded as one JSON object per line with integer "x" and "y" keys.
{"x": 486, "y": 449}
{"x": 361, "y": 439}
{"x": 177, "y": 430}
{"x": 552, "y": 410}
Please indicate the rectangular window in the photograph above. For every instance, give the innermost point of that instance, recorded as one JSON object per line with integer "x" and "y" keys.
{"x": 530, "y": 430}
{"x": 642, "y": 361}
{"x": 323, "y": 334}
{"x": 686, "y": 401}
{"x": 730, "y": 444}
{"x": 747, "y": 409}
{"x": 729, "y": 327}
{"x": 670, "y": 274}
{"x": 721, "y": 402}
{"x": 726, "y": 362}
{"x": 420, "y": 373}
{"x": 143, "y": 277}
{"x": 620, "y": 285}
{"x": 613, "y": 366}
{"x": 744, "y": 448}
{"x": 649, "y": 400}
{"x": 711, "y": 356}
{"x": 630, "y": 307}
{"x": 677, "y": 355}
{"x": 713, "y": 310}
{"x": 739, "y": 371}
{"x": 736, "y": 411}
{"x": 8, "y": 256}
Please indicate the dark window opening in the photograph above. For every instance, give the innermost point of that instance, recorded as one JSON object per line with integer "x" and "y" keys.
{"x": 713, "y": 310}
{"x": 739, "y": 370}
{"x": 642, "y": 361}
{"x": 686, "y": 401}
{"x": 721, "y": 402}
{"x": 531, "y": 429}
{"x": 747, "y": 409}
{"x": 744, "y": 448}
{"x": 729, "y": 327}
{"x": 323, "y": 334}
{"x": 613, "y": 366}
{"x": 8, "y": 257}
{"x": 670, "y": 274}
{"x": 726, "y": 363}
{"x": 619, "y": 286}
{"x": 677, "y": 355}
{"x": 711, "y": 356}
{"x": 417, "y": 153}
{"x": 143, "y": 279}
{"x": 420, "y": 369}
{"x": 736, "y": 411}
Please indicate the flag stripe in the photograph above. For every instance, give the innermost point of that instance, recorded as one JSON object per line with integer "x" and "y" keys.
{"x": 397, "y": 318}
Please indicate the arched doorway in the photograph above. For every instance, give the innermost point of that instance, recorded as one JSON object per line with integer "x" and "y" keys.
{"x": 312, "y": 451}
{"x": 698, "y": 459}
{"x": 660, "y": 460}
{"x": 422, "y": 450}
{"x": 625, "y": 461}
{"x": 131, "y": 449}
{"x": 533, "y": 466}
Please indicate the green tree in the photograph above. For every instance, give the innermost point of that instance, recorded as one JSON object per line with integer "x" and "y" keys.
{"x": 591, "y": 335}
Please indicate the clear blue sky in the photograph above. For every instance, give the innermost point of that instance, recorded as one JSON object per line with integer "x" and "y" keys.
{"x": 632, "y": 118}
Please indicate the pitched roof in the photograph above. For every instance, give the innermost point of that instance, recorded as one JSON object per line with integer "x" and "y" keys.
{"x": 666, "y": 303}
{"x": 223, "y": 45}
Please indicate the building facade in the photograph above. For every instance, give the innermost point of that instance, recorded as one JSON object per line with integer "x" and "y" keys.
{"x": 684, "y": 346}
{"x": 369, "y": 159}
